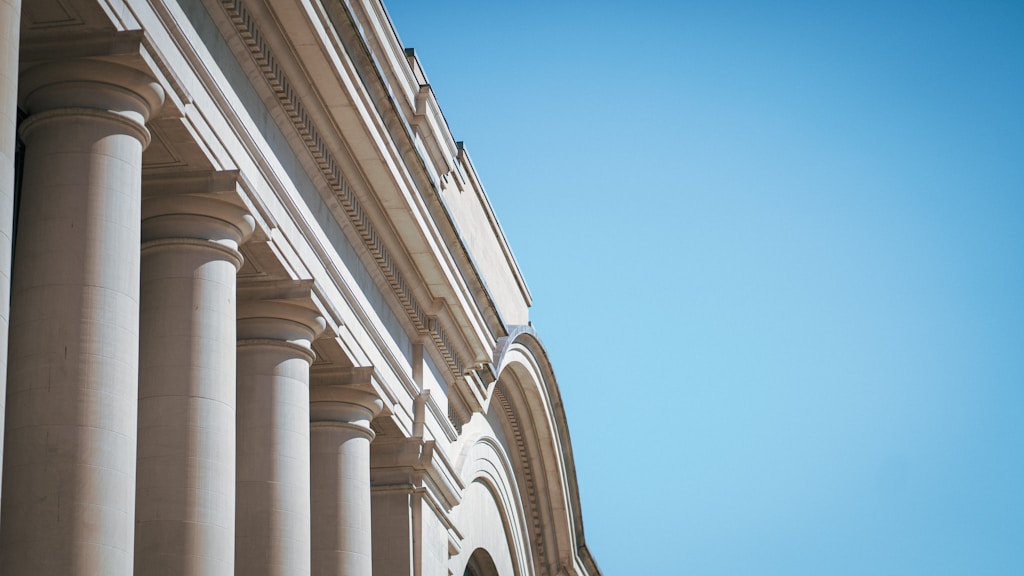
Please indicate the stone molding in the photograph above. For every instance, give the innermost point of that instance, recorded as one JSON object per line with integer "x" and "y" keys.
{"x": 259, "y": 49}
{"x": 528, "y": 396}
{"x": 82, "y": 88}
{"x": 201, "y": 217}
{"x": 230, "y": 254}
{"x": 279, "y": 321}
{"x": 344, "y": 397}
{"x": 344, "y": 406}
{"x": 130, "y": 125}
{"x": 487, "y": 461}
{"x": 419, "y": 463}
{"x": 92, "y": 84}
{"x": 133, "y": 49}
{"x": 201, "y": 222}
{"x": 279, "y": 314}
{"x": 529, "y": 481}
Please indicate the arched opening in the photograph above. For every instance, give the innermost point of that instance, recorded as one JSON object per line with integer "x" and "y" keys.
{"x": 527, "y": 392}
{"x": 480, "y": 564}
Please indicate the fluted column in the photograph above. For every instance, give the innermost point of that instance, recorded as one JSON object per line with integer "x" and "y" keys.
{"x": 69, "y": 462}
{"x": 10, "y": 19}
{"x": 340, "y": 450}
{"x": 272, "y": 516}
{"x": 185, "y": 513}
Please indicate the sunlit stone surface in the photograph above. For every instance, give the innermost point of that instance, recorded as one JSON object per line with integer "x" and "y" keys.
{"x": 262, "y": 317}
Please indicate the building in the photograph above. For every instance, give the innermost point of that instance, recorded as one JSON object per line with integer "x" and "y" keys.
{"x": 262, "y": 317}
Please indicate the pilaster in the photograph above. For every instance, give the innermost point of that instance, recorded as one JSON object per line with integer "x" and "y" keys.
{"x": 415, "y": 487}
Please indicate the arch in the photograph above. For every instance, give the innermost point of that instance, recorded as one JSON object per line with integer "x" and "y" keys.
{"x": 488, "y": 471}
{"x": 527, "y": 392}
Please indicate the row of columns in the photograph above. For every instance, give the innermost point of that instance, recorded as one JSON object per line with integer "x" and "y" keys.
{"x": 155, "y": 425}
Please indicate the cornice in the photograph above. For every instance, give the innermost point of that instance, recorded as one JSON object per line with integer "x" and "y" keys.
{"x": 281, "y": 86}
{"x": 470, "y": 316}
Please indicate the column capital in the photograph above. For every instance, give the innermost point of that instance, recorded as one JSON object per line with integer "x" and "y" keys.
{"x": 344, "y": 404}
{"x": 94, "y": 88}
{"x": 203, "y": 219}
{"x": 129, "y": 48}
{"x": 206, "y": 205}
{"x": 344, "y": 396}
{"x": 278, "y": 314}
{"x": 279, "y": 320}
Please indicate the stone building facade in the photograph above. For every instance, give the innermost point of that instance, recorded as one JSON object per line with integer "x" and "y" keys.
{"x": 263, "y": 320}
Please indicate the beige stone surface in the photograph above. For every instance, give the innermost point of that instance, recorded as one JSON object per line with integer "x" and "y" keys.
{"x": 69, "y": 463}
{"x": 340, "y": 446}
{"x": 264, "y": 320}
{"x": 480, "y": 516}
{"x": 185, "y": 500}
{"x": 273, "y": 485}
{"x": 392, "y": 530}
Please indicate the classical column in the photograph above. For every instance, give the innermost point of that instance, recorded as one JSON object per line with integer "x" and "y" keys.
{"x": 185, "y": 493}
{"x": 69, "y": 462}
{"x": 340, "y": 447}
{"x": 10, "y": 32}
{"x": 272, "y": 515}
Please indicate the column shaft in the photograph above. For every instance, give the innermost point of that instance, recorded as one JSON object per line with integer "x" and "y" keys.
{"x": 273, "y": 505}
{"x": 185, "y": 512}
{"x": 69, "y": 466}
{"x": 340, "y": 451}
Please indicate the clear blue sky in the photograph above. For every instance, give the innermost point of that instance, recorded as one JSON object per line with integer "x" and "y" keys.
{"x": 777, "y": 256}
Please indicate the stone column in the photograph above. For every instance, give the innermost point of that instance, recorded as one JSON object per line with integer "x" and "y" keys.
{"x": 69, "y": 466}
{"x": 185, "y": 493}
{"x": 272, "y": 515}
{"x": 340, "y": 447}
{"x": 10, "y": 31}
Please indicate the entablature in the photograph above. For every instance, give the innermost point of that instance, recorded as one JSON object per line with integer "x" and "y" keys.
{"x": 345, "y": 112}
{"x": 329, "y": 99}
{"x": 350, "y": 104}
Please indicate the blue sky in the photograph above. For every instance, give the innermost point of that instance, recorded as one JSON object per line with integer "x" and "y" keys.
{"x": 777, "y": 256}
